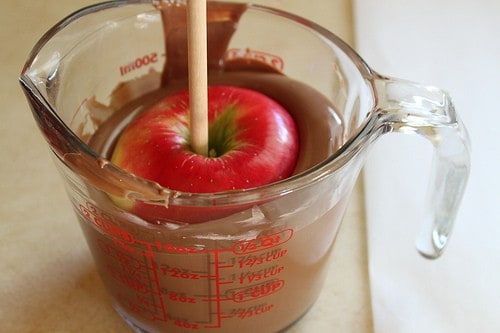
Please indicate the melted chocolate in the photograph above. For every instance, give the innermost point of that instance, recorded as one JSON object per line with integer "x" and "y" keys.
{"x": 222, "y": 21}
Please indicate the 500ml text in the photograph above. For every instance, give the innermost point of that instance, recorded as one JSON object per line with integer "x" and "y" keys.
{"x": 139, "y": 62}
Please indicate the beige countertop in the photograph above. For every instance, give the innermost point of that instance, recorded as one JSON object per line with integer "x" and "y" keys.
{"x": 48, "y": 281}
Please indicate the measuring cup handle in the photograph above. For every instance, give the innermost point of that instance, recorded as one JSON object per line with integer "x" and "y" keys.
{"x": 410, "y": 108}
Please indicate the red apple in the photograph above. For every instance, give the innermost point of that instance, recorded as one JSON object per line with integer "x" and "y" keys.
{"x": 253, "y": 141}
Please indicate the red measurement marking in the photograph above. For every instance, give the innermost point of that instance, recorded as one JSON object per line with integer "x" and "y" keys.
{"x": 176, "y": 297}
{"x": 178, "y": 249}
{"x": 260, "y": 275}
{"x": 259, "y": 56}
{"x": 134, "y": 267}
{"x": 130, "y": 263}
{"x": 105, "y": 222}
{"x": 263, "y": 243}
{"x": 180, "y": 274}
{"x": 252, "y": 260}
{"x": 125, "y": 259}
{"x": 258, "y": 291}
{"x": 253, "y": 311}
{"x": 218, "y": 299}
{"x": 145, "y": 60}
{"x": 187, "y": 325}
{"x": 226, "y": 282}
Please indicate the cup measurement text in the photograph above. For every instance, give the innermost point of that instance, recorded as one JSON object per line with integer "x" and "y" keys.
{"x": 156, "y": 277}
{"x": 145, "y": 60}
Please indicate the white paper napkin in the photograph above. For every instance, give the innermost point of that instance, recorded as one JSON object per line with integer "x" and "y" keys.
{"x": 455, "y": 45}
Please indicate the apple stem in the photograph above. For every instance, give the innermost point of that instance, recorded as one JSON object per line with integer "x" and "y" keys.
{"x": 198, "y": 80}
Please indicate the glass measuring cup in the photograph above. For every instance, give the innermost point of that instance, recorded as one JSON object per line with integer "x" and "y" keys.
{"x": 259, "y": 268}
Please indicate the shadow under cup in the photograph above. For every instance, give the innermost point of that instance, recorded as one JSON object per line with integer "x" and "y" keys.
{"x": 258, "y": 267}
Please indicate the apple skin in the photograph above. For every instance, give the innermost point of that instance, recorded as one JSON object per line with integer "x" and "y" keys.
{"x": 253, "y": 141}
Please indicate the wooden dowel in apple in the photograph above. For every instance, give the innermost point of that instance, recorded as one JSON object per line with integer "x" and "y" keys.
{"x": 198, "y": 81}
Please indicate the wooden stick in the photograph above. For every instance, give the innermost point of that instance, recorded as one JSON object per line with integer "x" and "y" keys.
{"x": 197, "y": 63}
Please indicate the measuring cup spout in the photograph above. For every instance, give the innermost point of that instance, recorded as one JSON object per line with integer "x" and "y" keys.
{"x": 54, "y": 130}
{"x": 410, "y": 108}
{"x": 79, "y": 158}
